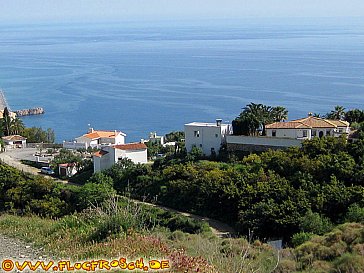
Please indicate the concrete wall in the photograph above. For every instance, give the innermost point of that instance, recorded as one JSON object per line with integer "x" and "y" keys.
{"x": 250, "y": 143}
{"x": 74, "y": 145}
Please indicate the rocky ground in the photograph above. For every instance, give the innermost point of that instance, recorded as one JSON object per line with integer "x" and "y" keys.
{"x": 16, "y": 250}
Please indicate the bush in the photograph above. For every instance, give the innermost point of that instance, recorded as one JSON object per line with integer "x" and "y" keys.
{"x": 93, "y": 194}
{"x": 301, "y": 237}
{"x": 348, "y": 262}
{"x": 355, "y": 214}
{"x": 314, "y": 223}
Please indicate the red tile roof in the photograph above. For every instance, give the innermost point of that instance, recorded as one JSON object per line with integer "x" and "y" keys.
{"x": 130, "y": 146}
{"x": 308, "y": 122}
{"x": 103, "y": 134}
{"x": 100, "y": 153}
{"x": 287, "y": 125}
{"x": 315, "y": 122}
{"x": 13, "y": 138}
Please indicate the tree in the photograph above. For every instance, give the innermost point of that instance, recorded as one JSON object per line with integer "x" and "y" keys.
{"x": 254, "y": 118}
{"x": 354, "y": 115}
{"x": 279, "y": 113}
{"x": 6, "y": 122}
{"x": 338, "y": 113}
{"x": 17, "y": 126}
{"x": 38, "y": 135}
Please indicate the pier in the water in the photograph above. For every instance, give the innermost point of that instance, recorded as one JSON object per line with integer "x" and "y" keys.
{"x": 3, "y": 102}
{"x": 25, "y": 112}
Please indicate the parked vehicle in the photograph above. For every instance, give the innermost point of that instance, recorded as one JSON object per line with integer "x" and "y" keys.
{"x": 46, "y": 170}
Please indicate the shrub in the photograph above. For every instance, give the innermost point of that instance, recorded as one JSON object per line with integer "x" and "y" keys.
{"x": 355, "y": 214}
{"x": 301, "y": 237}
{"x": 348, "y": 262}
{"x": 313, "y": 222}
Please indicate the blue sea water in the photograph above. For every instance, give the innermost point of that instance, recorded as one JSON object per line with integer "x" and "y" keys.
{"x": 142, "y": 78}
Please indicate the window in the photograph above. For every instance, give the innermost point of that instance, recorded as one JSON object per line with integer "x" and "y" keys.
{"x": 197, "y": 133}
{"x": 216, "y": 135}
{"x": 327, "y": 132}
{"x": 304, "y": 133}
{"x": 340, "y": 130}
{"x": 274, "y": 133}
{"x": 200, "y": 145}
{"x": 314, "y": 133}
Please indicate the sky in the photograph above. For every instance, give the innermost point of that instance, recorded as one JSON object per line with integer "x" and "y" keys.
{"x": 139, "y": 10}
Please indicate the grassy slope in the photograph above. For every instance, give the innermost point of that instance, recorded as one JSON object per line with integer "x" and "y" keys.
{"x": 69, "y": 237}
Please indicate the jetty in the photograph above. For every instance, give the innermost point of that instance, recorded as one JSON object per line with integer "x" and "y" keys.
{"x": 24, "y": 112}
{"x": 3, "y": 103}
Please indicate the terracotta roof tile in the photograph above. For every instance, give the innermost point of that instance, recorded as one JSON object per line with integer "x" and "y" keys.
{"x": 100, "y": 153}
{"x": 14, "y": 138}
{"x": 340, "y": 123}
{"x": 103, "y": 134}
{"x": 308, "y": 122}
{"x": 131, "y": 146}
{"x": 287, "y": 125}
{"x": 315, "y": 122}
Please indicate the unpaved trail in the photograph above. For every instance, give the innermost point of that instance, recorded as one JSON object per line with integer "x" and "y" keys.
{"x": 15, "y": 249}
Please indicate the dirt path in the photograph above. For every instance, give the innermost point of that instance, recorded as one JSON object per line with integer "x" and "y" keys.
{"x": 17, "y": 164}
{"x": 14, "y": 249}
{"x": 220, "y": 229}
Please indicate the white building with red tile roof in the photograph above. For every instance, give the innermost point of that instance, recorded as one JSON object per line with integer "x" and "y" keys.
{"x": 280, "y": 135}
{"x": 96, "y": 138}
{"x": 109, "y": 155}
{"x": 307, "y": 128}
{"x": 14, "y": 141}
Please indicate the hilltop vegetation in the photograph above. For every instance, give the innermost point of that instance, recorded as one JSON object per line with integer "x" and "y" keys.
{"x": 271, "y": 193}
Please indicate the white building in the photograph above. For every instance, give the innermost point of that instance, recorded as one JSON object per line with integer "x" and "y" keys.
{"x": 280, "y": 135}
{"x": 14, "y": 141}
{"x": 307, "y": 128}
{"x": 154, "y": 138}
{"x": 96, "y": 138}
{"x": 109, "y": 155}
{"x": 207, "y": 136}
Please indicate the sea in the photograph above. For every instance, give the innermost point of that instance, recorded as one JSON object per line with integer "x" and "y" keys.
{"x": 156, "y": 76}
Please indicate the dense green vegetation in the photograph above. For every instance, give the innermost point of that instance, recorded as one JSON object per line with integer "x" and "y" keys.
{"x": 271, "y": 193}
{"x": 25, "y": 194}
{"x": 254, "y": 117}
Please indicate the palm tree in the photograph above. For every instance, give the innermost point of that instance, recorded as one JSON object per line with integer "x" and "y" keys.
{"x": 16, "y": 126}
{"x": 279, "y": 113}
{"x": 337, "y": 113}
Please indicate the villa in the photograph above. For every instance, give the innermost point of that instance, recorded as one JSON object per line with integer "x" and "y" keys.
{"x": 109, "y": 155}
{"x": 209, "y": 137}
{"x": 14, "y": 141}
{"x": 281, "y": 135}
{"x": 96, "y": 138}
{"x": 308, "y": 128}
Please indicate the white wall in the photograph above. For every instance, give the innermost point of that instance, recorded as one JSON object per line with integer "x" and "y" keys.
{"x": 113, "y": 155}
{"x": 137, "y": 156}
{"x": 289, "y": 133}
{"x": 210, "y": 136}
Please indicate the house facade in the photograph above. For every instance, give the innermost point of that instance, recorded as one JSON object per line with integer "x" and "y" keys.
{"x": 14, "y": 141}
{"x": 109, "y": 155}
{"x": 281, "y": 135}
{"x": 207, "y": 136}
{"x": 308, "y": 128}
{"x": 96, "y": 138}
